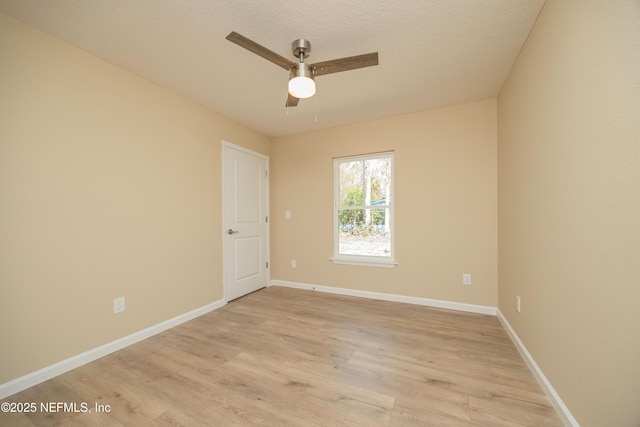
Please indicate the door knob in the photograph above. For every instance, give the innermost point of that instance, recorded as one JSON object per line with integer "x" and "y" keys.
{"x": 230, "y": 231}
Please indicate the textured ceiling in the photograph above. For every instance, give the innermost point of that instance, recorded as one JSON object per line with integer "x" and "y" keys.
{"x": 432, "y": 52}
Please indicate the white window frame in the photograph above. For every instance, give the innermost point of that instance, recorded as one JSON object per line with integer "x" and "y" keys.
{"x": 363, "y": 260}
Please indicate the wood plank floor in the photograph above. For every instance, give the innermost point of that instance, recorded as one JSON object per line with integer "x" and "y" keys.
{"x": 287, "y": 357}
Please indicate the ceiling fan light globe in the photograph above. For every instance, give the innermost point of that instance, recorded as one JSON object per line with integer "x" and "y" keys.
{"x": 302, "y": 87}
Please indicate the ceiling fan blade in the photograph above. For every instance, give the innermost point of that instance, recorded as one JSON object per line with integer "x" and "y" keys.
{"x": 292, "y": 101}
{"x": 259, "y": 50}
{"x": 345, "y": 64}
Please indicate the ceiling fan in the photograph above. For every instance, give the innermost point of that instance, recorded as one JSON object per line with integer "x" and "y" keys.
{"x": 302, "y": 75}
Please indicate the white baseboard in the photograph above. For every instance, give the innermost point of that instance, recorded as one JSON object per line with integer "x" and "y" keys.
{"x": 555, "y": 399}
{"x": 459, "y": 306}
{"x": 41, "y": 375}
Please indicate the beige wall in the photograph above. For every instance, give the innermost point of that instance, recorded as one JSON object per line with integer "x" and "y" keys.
{"x": 109, "y": 186}
{"x": 446, "y": 204}
{"x": 569, "y": 211}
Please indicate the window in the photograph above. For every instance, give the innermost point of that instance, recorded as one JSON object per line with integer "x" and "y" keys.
{"x": 363, "y": 210}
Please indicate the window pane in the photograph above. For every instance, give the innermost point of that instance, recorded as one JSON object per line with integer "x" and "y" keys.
{"x": 377, "y": 181}
{"x": 365, "y": 182}
{"x": 352, "y": 183}
{"x": 364, "y": 232}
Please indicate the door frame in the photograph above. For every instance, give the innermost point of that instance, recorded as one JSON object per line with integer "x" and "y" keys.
{"x": 226, "y": 145}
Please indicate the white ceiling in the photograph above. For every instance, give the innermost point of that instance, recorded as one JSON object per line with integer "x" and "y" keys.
{"x": 432, "y": 52}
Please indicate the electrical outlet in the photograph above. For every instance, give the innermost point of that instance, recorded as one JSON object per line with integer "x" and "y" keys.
{"x": 466, "y": 279}
{"x": 293, "y": 263}
{"x": 118, "y": 305}
{"x": 518, "y": 301}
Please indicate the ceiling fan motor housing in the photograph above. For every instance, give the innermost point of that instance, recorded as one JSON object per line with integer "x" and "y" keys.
{"x": 301, "y": 70}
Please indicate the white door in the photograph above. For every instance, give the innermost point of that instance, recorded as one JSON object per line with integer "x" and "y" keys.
{"x": 245, "y": 219}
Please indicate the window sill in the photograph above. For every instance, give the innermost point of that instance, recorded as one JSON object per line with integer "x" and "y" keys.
{"x": 364, "y": 263}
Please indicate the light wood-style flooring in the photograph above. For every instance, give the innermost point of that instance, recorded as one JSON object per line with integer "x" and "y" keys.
{"x": 288, "y": 357}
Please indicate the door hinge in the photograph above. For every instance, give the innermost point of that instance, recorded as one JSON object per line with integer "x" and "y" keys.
{"x": 266, "y": 218}
{"x": 266, "y": 174}
{"x": 267, "y": 264}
